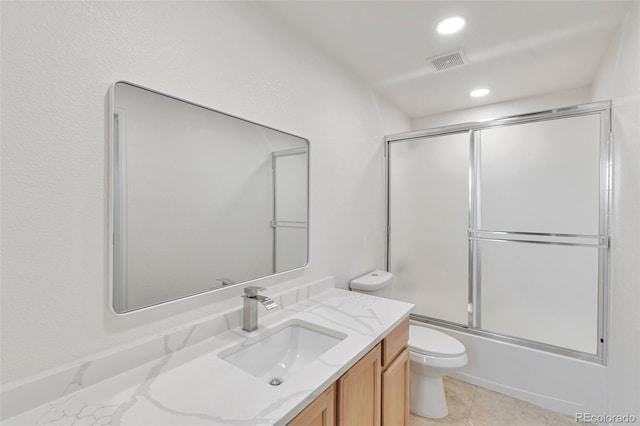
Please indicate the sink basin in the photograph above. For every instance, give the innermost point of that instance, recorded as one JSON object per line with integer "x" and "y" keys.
{"x": 284, "y": 351}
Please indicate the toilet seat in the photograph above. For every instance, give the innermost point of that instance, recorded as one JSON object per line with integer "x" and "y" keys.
{"x": 436, "y": 366}
{"x": 429, "y": 342}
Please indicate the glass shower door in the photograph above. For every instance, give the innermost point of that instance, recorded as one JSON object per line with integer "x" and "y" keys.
{"x": 428, "y": 223}
{"x": 538, "y": 198}
{"x": 500, "y": 228}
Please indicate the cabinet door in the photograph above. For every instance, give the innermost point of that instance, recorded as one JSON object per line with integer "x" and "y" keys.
{"x": 395, "y": 342}
{"x": 395, "y": 391}
{"x": 321, "y": 412}
{"x": 359, "y": 393}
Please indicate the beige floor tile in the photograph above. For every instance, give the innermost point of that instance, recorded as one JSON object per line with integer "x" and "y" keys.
{"x": 557, "y": 419}
{"x": 459, "y": 398}
{"x": 473, "y": 406}
{"x": 495, "y": 409}
{"x": 415, "y": 420}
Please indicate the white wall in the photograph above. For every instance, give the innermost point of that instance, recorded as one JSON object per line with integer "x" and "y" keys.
{"x": 619, "y": 80}
{"x": 58, "y": 60}
{"x": 503, "y": 109}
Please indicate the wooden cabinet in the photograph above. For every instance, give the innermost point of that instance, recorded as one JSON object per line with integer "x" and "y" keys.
{"x": 321, "y": 412}
{"x": 359, "y": 392}
{"x": 374, "y": 392}
{"x": 395, "y": 376}
{"x": 395, "y": 342}
{"x": 395, "y": 391}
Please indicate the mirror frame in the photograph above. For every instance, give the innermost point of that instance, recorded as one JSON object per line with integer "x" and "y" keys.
{"x": 114, "y": 181}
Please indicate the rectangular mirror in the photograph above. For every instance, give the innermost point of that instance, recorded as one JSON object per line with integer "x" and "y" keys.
{"x": 200, "y": 200}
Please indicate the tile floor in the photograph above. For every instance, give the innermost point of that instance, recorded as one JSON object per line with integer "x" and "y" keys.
{"x": 470, "y": 405}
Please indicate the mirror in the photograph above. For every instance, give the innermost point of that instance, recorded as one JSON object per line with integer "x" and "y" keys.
{"x": 200, "y": 200}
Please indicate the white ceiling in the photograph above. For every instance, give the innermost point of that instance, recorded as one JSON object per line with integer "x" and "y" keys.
{"x": 515, "y": 48}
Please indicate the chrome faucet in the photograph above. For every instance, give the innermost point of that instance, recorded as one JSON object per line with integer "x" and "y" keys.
{"x": 250, "y": 308}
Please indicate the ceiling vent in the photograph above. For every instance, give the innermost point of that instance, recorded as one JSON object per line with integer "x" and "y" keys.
{"x": 448, "y": 60}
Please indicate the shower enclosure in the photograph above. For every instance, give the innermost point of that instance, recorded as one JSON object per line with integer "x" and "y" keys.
{"x": 500, "y": 228}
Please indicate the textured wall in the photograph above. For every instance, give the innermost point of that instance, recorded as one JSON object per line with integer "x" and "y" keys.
{"x": 619, "y": 80}
{"x": 503, "y": 109}
{"x": 58, "y": 60}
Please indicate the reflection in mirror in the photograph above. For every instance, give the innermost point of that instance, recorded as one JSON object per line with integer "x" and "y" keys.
{"x": 201, "y": 200}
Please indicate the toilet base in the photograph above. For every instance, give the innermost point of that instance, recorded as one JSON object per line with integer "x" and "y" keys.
{"x": 427, "y": 396}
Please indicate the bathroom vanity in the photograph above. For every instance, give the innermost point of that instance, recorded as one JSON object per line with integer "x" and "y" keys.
{"x": 195, "y": 375}
{"x": 374, "y": 391}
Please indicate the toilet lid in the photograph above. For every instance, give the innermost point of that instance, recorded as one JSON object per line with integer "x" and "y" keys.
{"x": 428, "y": 341}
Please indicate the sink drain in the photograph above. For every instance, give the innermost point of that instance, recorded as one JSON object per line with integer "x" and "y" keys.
{"x": 275, "y": 382}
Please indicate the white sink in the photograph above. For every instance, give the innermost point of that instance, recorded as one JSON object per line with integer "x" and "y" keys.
{"x": 283, "y": 351}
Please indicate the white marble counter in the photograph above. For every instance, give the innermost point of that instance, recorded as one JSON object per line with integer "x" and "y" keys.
{"x": 193, "y": 386}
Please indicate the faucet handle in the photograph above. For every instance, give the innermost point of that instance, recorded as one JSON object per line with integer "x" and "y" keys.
{"x": 252, "y": 290}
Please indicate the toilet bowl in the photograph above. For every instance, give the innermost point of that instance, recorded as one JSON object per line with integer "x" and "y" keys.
{"x": 432, "y": 354}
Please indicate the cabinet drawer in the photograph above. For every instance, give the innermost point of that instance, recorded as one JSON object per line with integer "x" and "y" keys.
{"x": 395, "y": 342}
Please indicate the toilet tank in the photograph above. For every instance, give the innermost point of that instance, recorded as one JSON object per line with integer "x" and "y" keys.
{"x": 375, "y": 283}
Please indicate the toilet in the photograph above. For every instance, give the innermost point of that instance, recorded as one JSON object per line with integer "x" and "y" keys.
{"x": 433, "y": 354}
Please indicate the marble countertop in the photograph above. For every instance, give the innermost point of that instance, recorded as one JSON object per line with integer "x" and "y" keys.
{"x": 193, "y": 386}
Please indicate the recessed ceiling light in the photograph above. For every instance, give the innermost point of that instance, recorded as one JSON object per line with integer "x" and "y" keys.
{"x": 451, "y": 25}
{"x": 479, "y": 92}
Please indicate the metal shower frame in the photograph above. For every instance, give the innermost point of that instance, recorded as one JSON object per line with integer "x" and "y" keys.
{"x": 600, "y": 241}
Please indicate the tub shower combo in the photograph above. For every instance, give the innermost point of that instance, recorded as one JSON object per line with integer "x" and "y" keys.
{"x": 500, "y": 228}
